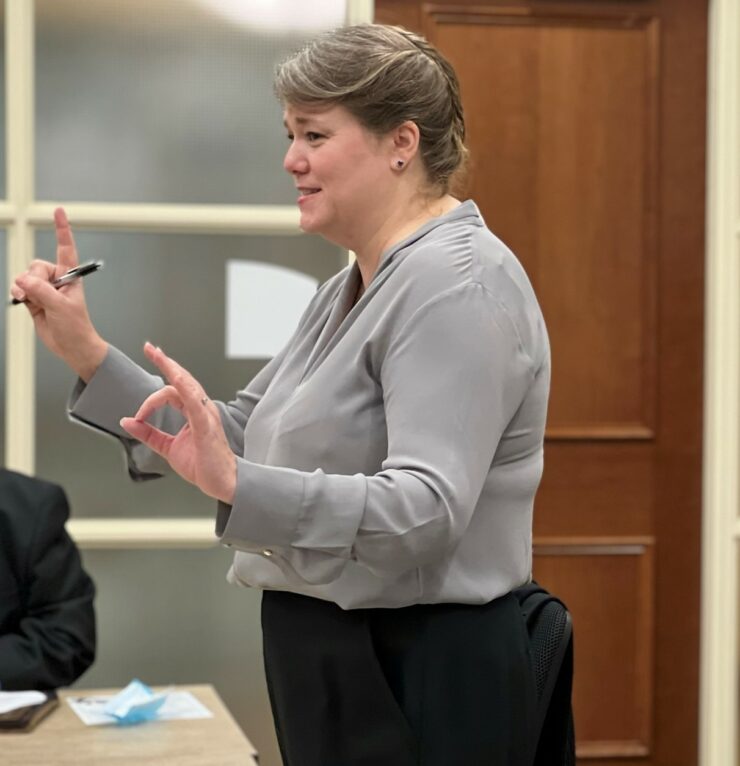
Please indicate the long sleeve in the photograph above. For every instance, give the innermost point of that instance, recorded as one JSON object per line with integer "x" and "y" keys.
{"x": 118, "y": 388}
{"x": 53, "y": 641}
{"x": 452, "y": 380}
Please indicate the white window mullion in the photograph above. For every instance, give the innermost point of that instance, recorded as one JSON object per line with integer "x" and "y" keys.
{"x": 359, "y": 11}
{"x": 8, "y": 212}
{"x": 201, "y": 219}
{"x": 20, "y": 380}
{"x": 721, "y": 498}
{"x": 143, "y": 534}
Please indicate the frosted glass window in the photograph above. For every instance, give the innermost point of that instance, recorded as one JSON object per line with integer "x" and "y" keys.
{"x": 171, "y": 290}
{"x": 165, "y": 100}
{"x": 170, "y": 617}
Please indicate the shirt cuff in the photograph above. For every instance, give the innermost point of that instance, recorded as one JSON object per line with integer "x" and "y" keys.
{"x": 282, "y": 507}
{"x": 117, "y": 389}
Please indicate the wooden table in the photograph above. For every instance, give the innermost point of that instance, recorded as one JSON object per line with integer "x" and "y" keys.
{"x": 62, "y": 739}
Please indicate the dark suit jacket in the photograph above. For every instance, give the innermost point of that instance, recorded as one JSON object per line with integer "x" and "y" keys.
{"x": 47, "y": 620}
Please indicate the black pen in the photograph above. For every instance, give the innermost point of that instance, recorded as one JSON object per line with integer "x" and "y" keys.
{"x": 76, "y": 273}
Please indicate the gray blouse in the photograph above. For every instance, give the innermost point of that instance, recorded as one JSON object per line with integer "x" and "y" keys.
{"x": 390, "y": 453}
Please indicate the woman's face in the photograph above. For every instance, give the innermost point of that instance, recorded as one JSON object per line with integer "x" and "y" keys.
{"x": 341, "y": 171}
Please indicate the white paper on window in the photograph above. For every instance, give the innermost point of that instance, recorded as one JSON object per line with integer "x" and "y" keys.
{"x": 263, "y": 305}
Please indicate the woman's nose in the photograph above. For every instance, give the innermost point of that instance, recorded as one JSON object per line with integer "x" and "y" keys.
{"x": 295, "y": 161}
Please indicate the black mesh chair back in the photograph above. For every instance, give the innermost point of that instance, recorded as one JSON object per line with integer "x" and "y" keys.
{"x": 551, "y": 646}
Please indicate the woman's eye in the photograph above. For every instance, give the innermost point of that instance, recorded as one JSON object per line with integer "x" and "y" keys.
{"x": 310, "y": 136}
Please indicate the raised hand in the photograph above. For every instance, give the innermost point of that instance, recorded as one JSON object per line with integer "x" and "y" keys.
{"x": 199, "y": 452}
{"x": 60, "y": 316}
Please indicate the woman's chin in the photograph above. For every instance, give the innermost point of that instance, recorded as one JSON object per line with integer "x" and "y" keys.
{"x": 310, "y": 224}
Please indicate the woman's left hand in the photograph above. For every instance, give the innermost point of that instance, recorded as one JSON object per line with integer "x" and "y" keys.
{"x": 199, "y": 452}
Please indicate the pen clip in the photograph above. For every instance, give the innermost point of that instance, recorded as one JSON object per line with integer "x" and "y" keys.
{"x": 78, "y": 271}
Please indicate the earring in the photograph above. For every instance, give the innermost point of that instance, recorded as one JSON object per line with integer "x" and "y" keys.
{"x": 399, "y": 164}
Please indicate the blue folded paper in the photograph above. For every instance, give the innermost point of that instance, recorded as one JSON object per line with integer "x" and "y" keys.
{"x": 135, "y": 704}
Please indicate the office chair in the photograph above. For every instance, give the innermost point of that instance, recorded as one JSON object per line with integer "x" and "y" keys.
{"x": 551, "y": 644}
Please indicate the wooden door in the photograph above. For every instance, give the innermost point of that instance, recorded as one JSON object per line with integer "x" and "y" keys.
{"x": 587, "y": 131}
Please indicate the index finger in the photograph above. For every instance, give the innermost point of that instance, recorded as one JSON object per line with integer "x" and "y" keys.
{"x": 66, "y": 250}
{"x": 190, "y": 390}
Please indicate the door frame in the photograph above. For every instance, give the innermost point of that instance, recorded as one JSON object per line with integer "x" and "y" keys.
{"x": 718, "y": 704}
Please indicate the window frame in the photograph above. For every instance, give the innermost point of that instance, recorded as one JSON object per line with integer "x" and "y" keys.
{"x": 21, "y": 214}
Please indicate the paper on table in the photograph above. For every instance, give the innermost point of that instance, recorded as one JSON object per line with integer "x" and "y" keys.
{"x": 178, "y": 705}
{"x": 14, "y": 700}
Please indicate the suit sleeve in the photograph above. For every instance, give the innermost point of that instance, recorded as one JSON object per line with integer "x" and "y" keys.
{"x": 55, "y": 639}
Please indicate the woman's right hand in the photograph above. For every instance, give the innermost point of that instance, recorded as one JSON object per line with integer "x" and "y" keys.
{"x": 60, "y": 316}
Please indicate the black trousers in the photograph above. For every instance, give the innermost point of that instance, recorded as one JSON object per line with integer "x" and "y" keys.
{"x": 426, "y": 685}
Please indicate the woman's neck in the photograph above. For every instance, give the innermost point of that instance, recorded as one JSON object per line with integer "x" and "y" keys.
{"x": 395, "y": 230}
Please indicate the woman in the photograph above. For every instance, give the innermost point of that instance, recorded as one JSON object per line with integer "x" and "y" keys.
{"x": 377, "y": 477}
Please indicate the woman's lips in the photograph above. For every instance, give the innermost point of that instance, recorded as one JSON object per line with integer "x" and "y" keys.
{"x": 306, "y": 193}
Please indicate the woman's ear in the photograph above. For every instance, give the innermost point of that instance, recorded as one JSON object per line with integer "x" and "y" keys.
{"x": 405, "y": 144}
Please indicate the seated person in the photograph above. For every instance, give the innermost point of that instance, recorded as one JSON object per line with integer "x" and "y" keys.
{"x": 47, "y": 619}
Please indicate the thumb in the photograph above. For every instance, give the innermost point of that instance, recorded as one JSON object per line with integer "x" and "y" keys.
{"x": 145, "y": 433}
{"x": 39, "y": 291}
{"x": 136, "y": 428}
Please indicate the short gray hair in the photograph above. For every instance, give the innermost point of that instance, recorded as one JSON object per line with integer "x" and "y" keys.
{"x": 384, "y": 76}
